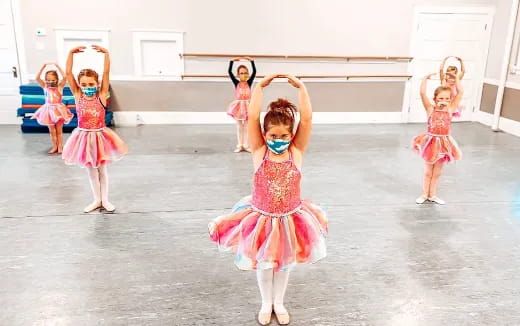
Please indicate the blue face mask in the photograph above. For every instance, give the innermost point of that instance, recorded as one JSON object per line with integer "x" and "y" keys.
{"x": 278, "y": 146}
{"x": 89, "y": 91}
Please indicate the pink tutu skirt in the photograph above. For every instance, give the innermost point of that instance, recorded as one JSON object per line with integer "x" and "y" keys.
{"x": 238, "y": 109}
{"x": 93, "y": 148}
{"x": 435, "y": 149}
{"x": 262, "y": 241}
{"x": 51, "y": 114}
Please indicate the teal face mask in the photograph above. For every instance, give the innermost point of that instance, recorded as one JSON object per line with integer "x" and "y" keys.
{"x": 278, "y": 146}
{"x": 89, "y": 91}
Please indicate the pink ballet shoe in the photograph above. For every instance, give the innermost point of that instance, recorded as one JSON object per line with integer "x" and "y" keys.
{"x": 109, "y": 208}
{"x": 264, "y": 318}
{"x": 282, "y": 315}
{"x": 92, "y": 207}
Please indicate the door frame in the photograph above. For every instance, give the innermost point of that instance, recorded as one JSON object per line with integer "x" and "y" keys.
{"x": 418, "y": 10}
{"x": 16, "y": 11}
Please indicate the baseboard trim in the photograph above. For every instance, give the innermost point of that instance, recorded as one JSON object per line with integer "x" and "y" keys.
{"x": 9, "y": 118}
{"x": 509, "y": 126}
{"x": 134, "y": 118}
{"x": 504, "y": 124}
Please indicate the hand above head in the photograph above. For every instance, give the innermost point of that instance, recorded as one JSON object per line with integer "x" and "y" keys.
{"x": 78, "y": 49}
{"x": 268, "y": 79}
{"x": 236, "y": 59}
{"x": 294, "y": 81}
{"x": 450, "y": 75}
{"x": 248, "y": 58}
{"x": 99, "y": 49}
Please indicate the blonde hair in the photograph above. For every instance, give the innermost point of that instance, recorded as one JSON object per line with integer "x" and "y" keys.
{"x": 440, "y": 89}
{"x": 452, "y": 69}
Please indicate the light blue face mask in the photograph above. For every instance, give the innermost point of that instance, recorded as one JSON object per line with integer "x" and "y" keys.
{"x": 89, "y": 91}
{"x": 278, "y": 146}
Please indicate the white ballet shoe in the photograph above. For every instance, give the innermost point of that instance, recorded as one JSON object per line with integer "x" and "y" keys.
{"x": 238, "y": 149}
{"x": 421, "y": 200}
{"x": 437, "y": 200}
{"x": 92, "y": 207}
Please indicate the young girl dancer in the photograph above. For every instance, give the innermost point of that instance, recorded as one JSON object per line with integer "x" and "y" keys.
{"x": 92, "y": 145}
{"x": 53, "y": 113}
{"x": 448, "y": 79}
{"x": 238, "y": 108}
{"x": 273, "y": 229}
{"x": 436, "y": 146}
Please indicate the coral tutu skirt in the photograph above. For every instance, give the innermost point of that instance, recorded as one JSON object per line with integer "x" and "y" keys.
{"x": 51, "y": 114}
{"x": 92, "y": 148}
{"x": 262, "y": 241}
{"x": 238, "y": 109}
{"x": 436, "y": 148}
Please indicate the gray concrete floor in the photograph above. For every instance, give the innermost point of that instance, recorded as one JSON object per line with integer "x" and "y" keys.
{"x": 391, "y": 262}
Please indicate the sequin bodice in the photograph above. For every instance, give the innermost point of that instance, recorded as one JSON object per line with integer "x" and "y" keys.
{"x": 91, "y": 113}
{"x": 276, "y": 187}
{"x": 439, "y": 123}
{"x": 52, "y": 95}
{"x": 242, "y": 91}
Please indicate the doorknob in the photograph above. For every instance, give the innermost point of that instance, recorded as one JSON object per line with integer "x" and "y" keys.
{"x": 15, "y": 72}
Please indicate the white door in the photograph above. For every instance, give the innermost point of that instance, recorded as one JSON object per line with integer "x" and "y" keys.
{"x": 438, "y": 35}
{"x": 9, "y": 68}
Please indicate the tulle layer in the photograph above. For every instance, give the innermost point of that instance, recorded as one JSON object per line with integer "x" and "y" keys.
{"x": 93, "y": 148}
{"x": 261, "y": 241}
{"x": 51, "y": 114}
{"x": 435, "y": 149}
{"x": 238, "y": 109}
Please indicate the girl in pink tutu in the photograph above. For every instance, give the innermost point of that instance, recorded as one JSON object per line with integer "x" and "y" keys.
{"x": 53, "y": 113}
{"x": 448, "y": 80}
{"x": 92, "y": 145}
{"x": 238, "y": 108}
{"x": 274, "y": 229}
{"x": 436, "y": 146}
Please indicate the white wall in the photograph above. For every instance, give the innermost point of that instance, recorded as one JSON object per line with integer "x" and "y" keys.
{"x": 498, "y": 38}
{"x": 332, "y": 27}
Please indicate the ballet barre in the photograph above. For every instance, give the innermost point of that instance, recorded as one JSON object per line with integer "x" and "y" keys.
{"x": 291, "y": 56}
{"x": 347, "y": 77}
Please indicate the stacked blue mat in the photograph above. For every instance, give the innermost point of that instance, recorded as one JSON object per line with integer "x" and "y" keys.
{"x": 33, "y": 97}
